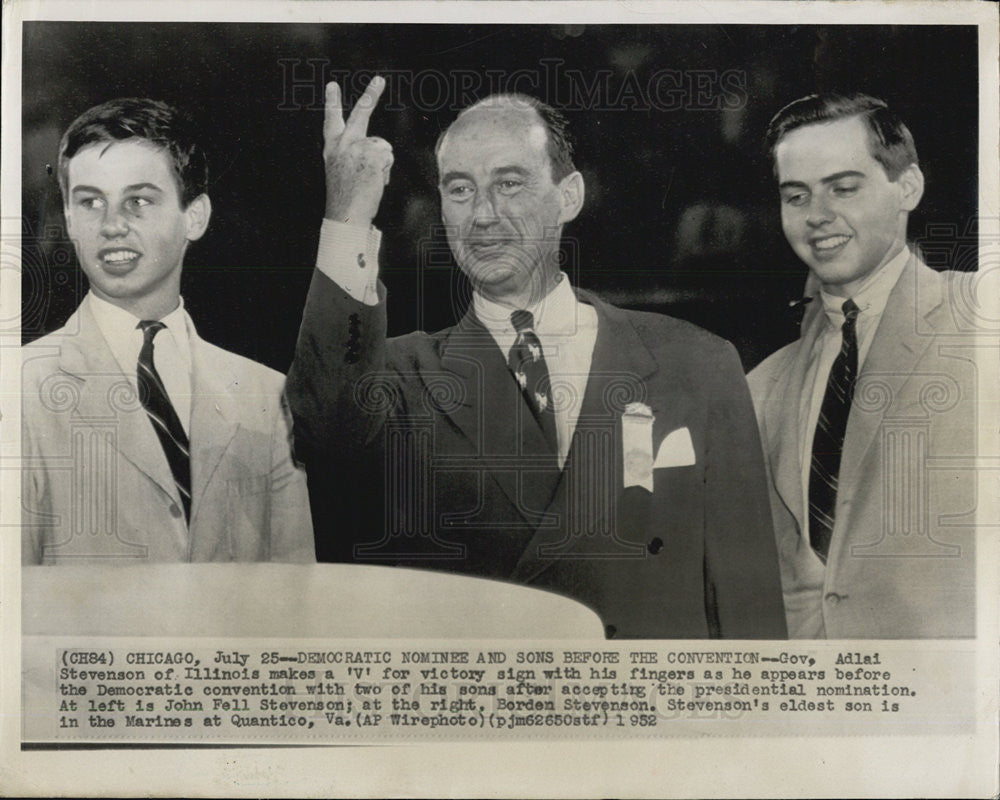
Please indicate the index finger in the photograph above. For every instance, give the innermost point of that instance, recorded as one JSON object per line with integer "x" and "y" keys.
{"x": 357, "y": 123}
{"x": 333, "y": 112}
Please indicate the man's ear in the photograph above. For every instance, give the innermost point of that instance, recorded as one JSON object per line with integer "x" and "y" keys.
{"x": 571, "y": 194}
{"x": 197, "y": 214}
{"x": 68, "y": 219}
{"x": 911, "y": 184}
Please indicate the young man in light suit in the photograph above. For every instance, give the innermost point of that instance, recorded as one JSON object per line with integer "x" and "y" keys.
{"x": 142, "y": 442}
{"x": 868, "y": 418}
{"x": 548, "y": 438}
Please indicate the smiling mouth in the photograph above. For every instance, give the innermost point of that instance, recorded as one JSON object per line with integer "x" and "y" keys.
{"x": 118, "y": 260}
{"x": 829, "y": 244}
{"x": 489, "y": 251}
{"x": 490, "y": 245}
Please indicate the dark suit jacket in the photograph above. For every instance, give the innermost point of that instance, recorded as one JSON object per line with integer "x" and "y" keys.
{"x": 435, "y": 423}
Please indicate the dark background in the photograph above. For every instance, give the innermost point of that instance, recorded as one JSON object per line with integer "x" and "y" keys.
{"x": 681, "y": 214}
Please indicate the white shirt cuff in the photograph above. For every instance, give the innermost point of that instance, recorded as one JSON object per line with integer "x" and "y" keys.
{"x": 348, "y": 255}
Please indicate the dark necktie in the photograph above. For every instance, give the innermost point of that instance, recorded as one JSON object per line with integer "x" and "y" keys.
{"x": 828, "y": 441}
{"x": 153, "y": 396}
{"x": 528, "y": 365}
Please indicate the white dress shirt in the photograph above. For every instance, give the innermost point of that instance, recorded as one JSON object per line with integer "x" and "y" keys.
{"x": 871, "y": 299}
{"x": 171, "y": 349}
{"x": 566, "y": 328}
{"x": 348, "y": 255}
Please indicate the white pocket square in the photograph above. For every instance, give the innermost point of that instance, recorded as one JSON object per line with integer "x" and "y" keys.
{"x": 675, "y": 450}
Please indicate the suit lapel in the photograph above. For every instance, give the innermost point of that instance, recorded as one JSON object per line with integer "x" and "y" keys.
{"x": 214, "y": 418}
{"x": 782, "y": 416}
{"x": 108, "y": 398}
{"x": 620, "y": 365}
{"x": 491, "y": 415}
{"x": 895, "y": 350}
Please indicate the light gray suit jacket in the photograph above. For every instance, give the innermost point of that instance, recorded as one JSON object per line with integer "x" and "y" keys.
{"x": 96, "y": 486}
{"x": 902, "y": 560}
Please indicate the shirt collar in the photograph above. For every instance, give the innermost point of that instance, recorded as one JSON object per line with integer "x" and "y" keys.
{"x": 874, "y": 293}
{"x": 120, "y": 330}
{"x": 554, "y": 314}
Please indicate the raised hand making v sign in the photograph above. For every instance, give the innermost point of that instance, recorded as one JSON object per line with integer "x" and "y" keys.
{"x": 357, "y": 165}
{"x": 437, "y": 451}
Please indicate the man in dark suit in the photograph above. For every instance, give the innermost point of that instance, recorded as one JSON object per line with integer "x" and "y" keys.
{"x": 868, "y": 419}
{"x": 548, "y": 438}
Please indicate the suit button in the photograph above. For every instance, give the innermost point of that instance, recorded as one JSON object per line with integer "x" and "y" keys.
{"x": 610, "y": 631}
{"x": 833, "y": 598}
{"x": 175, "y": 511}
{"x": 655, "y": 546}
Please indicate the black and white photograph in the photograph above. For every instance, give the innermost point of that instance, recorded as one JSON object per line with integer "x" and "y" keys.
{"x": 500, "y": 399}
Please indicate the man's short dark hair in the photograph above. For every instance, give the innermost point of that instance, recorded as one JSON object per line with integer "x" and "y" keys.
{"x": 139, "y": 118}
{"x": 889, "y": 140}
{"x": 559, "y": 141}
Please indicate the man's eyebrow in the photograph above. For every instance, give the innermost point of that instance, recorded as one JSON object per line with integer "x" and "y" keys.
{"x": 455, "y": 176}
{"x": 847, "y": 173}
{"x": 515, "y": 169}
{"x": 508, "y": 170}
{"x": 133, "y": 187}
{"x": 143, "y": 187}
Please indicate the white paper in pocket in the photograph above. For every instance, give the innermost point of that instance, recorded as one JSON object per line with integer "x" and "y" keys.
{"x": 637, "y": 445}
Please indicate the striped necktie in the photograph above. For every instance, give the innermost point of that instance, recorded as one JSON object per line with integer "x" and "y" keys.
{"x": 828, "y": 441}
{"x": 528, "y": 365}
{"x": 153, "y": 396}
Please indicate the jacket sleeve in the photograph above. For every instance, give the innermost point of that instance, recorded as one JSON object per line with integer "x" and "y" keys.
{"x": 336, "y": 388}
{"x": 742, "y": 578}
{"x": 340, "y": 395}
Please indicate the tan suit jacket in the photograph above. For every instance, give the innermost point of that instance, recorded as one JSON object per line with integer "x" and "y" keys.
{"x": 902, "y": 561}
{"x": 96, "y": 486}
